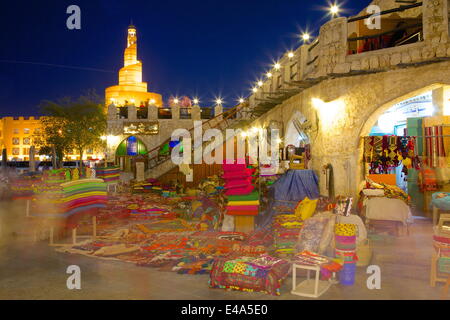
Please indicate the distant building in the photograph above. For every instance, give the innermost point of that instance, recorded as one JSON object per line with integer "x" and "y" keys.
{"x": 17, "y": 135}
{"x": 131, "y": 89}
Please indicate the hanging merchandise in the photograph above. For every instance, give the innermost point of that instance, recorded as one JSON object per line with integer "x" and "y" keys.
{"x": 434, "y": 147}
{"x": 385, "y": 153}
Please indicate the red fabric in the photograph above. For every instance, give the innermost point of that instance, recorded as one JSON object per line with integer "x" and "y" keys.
{"x": 242, "y": 212}
{"x": 441, "y": 239}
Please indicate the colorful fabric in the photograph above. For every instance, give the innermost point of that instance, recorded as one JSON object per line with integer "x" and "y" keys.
{"x": 252, "y": 278}
{"x": 345, "y": 229}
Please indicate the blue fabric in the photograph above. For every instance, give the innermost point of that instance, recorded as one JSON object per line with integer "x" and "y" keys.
{"x": 441, "y": 203}
{"x": 293, "y": 186}
{"x": 296, "y": 185}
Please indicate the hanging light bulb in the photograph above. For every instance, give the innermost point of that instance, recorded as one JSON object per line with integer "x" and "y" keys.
{"x": 277, "y": 66}
{"x": 196, "y": 101}
{"x": 255, "y": 89}
{"x": 269, "y": 75}
{"x": 219, "y": 101}
{"x": 260, "y": 83}
{"x": 241, "y": 100}
{"x": 290, "y": 54}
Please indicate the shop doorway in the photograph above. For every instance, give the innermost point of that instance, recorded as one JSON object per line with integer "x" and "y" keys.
{"x": 127, "y": 151}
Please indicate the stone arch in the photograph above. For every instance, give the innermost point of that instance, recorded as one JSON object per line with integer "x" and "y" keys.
{"x": 290, "y": 131}
{"x": 121, "y": 149}
{"x": 378, "y": 111}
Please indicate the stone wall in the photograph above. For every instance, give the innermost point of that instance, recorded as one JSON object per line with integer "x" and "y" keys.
{"x": 347, "y": 108}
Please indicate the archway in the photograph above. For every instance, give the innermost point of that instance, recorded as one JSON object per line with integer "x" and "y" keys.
{"x": 400, "y": 118}
{"x": 128, "y": 149}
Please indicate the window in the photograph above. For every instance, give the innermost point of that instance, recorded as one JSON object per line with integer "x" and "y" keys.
{"x": 15, "y": 151}
{"x": 26, "y": 131}
{"x": 279, "y": 84}
{"x": 15, "y": 131}
{"x": 293, "y": 70}
{"x": 89, "y": 151}
{"x": 15, "y": 141}
{"x": 26, "y": 141}
{"x": 25, "y": 151}
{"x": 37, "y": 131}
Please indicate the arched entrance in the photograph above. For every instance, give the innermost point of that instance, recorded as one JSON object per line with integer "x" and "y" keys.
{"x": 127, "y": 150}
{"x": 402, "y": 118}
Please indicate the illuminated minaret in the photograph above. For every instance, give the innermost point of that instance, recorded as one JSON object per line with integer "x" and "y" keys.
{"x": 131, "y": 88}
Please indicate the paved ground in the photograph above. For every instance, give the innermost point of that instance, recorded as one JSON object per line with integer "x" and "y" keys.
{"x": 36, "y": 271}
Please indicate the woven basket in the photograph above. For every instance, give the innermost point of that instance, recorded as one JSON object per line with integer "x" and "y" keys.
{"x": 364, "y": 253}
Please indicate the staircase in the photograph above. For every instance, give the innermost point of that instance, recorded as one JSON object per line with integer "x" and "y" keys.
{"x": 159, "y": 164}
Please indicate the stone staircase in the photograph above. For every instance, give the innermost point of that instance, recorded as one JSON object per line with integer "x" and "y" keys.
{"x": 237, "y": 117}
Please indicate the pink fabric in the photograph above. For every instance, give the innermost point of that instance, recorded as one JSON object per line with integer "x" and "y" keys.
{"x": 239, "y": 191}
{"x": 233, "y": 167}
{"x": 231, "y": 175}
{"x": 237, "y": 183}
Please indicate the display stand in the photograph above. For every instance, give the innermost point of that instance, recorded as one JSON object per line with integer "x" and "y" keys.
{"x": 74, "y": 235}
{"x": 311, "y": 288}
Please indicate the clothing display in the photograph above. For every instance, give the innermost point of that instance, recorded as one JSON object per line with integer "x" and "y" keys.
{"x": 384, "y": 153}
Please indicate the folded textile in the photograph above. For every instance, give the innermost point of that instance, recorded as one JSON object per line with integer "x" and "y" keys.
{"x": 237, "y": 208}
{"x": 244, "y": 203}
{"x": 242, "y": 212}
{"x": 239, "y": 191}
{"x": 252, "y": 196}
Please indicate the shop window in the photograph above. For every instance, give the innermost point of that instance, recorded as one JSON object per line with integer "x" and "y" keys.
{"x": 15, "y": 141}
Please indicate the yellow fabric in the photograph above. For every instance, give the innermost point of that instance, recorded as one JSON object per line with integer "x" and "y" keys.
{"x": 305, "y": 208}
{"x": 244, "y": 203}
{"x": 345, "y": 229}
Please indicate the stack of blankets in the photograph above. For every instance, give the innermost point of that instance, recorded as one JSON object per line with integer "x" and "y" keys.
{"x": 242, "y": 199}
{"x": 345, "y": 239}
{"x": 243, "y": 205}
{"x": 286, "y": 230}
{"x": 111, "y": 175}
{"x": 22, "y": 187}
{"x": 80, "y": 197}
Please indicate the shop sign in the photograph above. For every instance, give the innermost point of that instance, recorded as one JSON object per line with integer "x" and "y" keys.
{"x": 142, "y": 128}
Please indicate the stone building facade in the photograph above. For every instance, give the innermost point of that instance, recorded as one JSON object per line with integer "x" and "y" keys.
{"x": 342, "y": 95}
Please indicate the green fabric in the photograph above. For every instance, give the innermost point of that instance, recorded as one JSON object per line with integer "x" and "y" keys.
{"x": 248, "y": 197}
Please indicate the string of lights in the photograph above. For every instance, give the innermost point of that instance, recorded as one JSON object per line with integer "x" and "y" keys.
{"x": 306, "y": 37}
